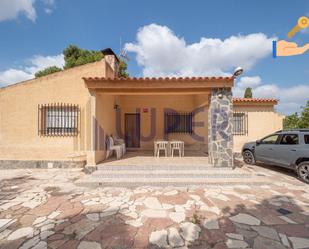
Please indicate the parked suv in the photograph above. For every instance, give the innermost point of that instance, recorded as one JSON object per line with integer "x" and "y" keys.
{"x": 286, "y": 148}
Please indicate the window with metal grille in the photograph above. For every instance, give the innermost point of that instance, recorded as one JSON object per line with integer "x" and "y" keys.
{"x": 240, "y": 124}
{"x": 58, "y": 120}
{"x": 178, "y": 123}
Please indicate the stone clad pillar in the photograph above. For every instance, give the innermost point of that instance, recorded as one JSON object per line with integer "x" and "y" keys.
{"x": 220, "y": 128}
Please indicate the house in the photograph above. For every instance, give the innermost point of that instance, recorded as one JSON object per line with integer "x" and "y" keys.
{"x": 62, "y": 120}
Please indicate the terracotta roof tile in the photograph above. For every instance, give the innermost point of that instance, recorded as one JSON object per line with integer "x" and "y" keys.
{"x": 255, "y": 100}
{"x": 160, "y": 79}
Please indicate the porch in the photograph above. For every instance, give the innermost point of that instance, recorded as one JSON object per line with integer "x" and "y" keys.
{"x": 197, "y": 111}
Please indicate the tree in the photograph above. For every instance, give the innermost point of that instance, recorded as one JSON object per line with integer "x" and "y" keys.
{"x": 123, "y": 69}
{"x": 248, "y": 93}
{"x": 304, "y": 118}
{"x": 296, "y": 121}
{"x": 74, "y": 56}
{"x": 47, "y": 71}
{"x": 291, "y": 121}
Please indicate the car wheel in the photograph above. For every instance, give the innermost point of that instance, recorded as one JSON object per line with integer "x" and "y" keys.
{"x": 303, "y": 171}
{"x": 248, "y": 157}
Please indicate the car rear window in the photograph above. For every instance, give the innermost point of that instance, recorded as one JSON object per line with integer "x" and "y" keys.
{"x": 306, "y": 139}
{"x": 289, "y": 139}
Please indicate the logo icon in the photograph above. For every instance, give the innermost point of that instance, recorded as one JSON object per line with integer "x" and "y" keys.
{"x": 285, "y": 48}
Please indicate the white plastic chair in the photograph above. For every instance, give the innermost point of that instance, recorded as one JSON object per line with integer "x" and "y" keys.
{"x": 178, "y": 146}
{"x": 155, "y": 148}
{"x": 119, "y": 141}
{"x": 161, "y": 145}
{"x": 117, "y": 148}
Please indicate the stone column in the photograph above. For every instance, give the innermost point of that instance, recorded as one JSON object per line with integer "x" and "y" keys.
{"x": 220, "y": 128}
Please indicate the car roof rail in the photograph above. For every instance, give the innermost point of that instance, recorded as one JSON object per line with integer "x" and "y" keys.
{"x": 296, "y": 129}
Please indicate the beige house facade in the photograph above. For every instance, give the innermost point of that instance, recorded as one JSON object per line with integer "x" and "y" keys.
{"x": 63, "y": 119}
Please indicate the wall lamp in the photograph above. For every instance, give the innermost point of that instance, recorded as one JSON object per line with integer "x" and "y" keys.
{"x": 238, "y": 71}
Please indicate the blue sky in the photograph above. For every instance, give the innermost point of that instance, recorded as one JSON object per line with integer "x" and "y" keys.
{"x": 34, "y": 33}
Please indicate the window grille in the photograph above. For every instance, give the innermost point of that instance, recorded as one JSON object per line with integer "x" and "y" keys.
{"x": 178, "y": 123}
{"x": 58, "y": 120}
{"x": 240, "y": 124}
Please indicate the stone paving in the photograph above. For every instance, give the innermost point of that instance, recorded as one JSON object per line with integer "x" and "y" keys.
{"x": 45, "y": 209}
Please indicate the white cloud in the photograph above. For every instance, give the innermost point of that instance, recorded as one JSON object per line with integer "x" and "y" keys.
{"x": 161, "y": 53}
{"x": 27, "y": 72}
{"x": 49, "y": 6}
{"x": 13, "y": 75}
{"x": 250, "y": 82}
{"x": 291, "y": 99}
{"x": 40, "y": 62}
{"x": 11, "y": 9}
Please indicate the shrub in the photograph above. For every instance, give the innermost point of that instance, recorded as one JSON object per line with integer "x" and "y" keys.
{"x": 47, "y": 71}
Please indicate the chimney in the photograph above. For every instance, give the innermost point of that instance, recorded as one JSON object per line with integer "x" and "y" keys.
{"x": 112, "y": 60}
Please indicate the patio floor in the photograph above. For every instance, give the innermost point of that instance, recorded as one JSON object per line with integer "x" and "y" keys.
{"x": 146, "y": 158}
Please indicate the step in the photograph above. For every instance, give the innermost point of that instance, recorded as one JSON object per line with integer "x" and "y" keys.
{"x": 166, "y": 173}
{"x": 161, "y": 167}
{"x": 128, "y": 176}
{"x": 108, "y": 177}
{"x": 90, "y": 181}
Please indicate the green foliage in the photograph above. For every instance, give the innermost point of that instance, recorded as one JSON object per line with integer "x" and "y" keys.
{"x": 47, "y": 71}
{"x": 74, "y": 56}
{"x": 123, "y": 69}
{"x": 248, "y": 93}
{"x": 304, "y": 118}
{"x": 295, "y": 121}
{"x": 195, "y": 219}
{"x": 291, "y": 121}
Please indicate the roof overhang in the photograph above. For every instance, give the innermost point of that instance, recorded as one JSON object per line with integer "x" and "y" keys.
{"x": 188, "y": 85}
{"x": 255, "y": 101}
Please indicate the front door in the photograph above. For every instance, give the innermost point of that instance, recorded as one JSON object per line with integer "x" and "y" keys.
{"x": 132, "y": 130}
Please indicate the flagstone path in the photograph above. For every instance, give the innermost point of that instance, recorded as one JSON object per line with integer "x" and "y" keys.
{"x": 45, "y": 209}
